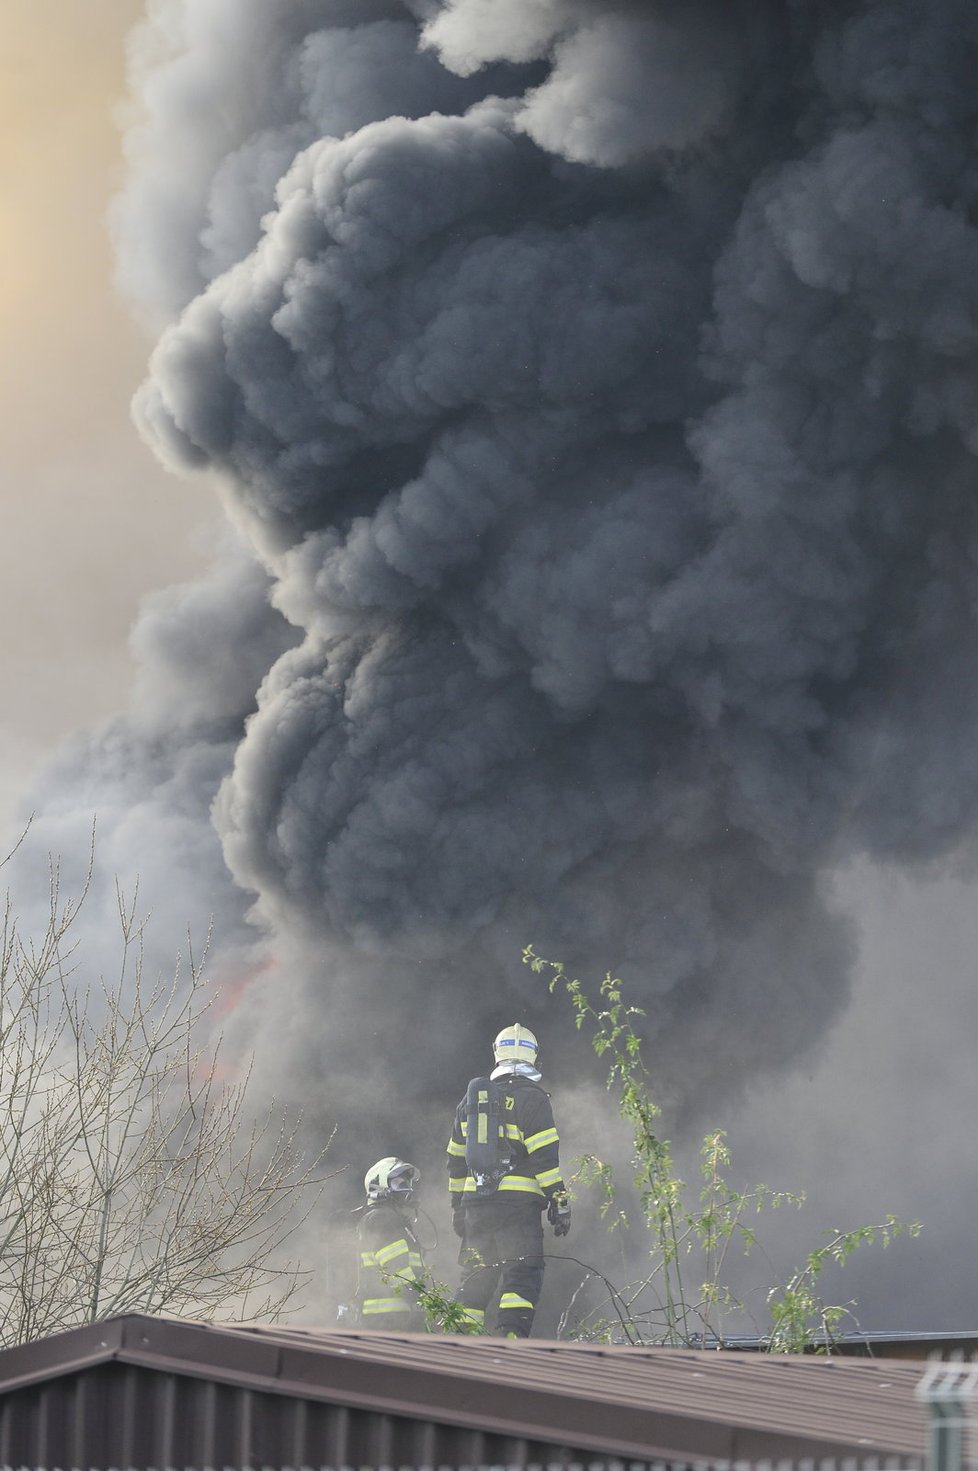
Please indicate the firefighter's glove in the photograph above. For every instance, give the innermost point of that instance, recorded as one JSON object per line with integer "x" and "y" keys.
{"x": 559, "y": 1214}
{"x": 458, "y": 1223}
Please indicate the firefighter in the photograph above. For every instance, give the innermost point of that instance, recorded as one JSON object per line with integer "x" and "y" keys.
{"x": 389, "y": 1257}
{"x": 497, "y": 1212}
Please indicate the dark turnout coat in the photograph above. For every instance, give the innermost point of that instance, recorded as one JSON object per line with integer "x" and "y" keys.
{"x": 389, "y": 1261}
{"x": 502, "y": 1233}
{"x": 530, "y": 1136}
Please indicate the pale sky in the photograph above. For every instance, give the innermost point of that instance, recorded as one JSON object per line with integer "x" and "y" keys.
{"x": 90, "y": 521}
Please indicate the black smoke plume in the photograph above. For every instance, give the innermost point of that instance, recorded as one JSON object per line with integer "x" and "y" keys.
{"x": 595, "y": 383}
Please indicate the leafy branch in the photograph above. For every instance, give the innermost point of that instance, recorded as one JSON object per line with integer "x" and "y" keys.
{"x": 668, "y": 1304}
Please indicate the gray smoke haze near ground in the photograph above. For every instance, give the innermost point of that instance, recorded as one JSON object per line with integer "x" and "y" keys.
{"x": 146, "y": 781}
{"x": 595, "y": 385}
{"x": 880, "y": 1118}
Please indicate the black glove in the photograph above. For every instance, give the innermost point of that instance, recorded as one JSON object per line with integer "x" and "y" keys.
{"x": 458, "y": 1222}
{"x": 559, "y": 1215}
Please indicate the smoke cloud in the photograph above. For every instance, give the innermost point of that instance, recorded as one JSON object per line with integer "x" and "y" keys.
{"x": 594, "y": 386}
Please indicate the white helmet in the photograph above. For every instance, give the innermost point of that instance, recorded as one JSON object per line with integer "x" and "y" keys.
{"x": 391, "y": 1179}
{"x": 516, "y": 1044}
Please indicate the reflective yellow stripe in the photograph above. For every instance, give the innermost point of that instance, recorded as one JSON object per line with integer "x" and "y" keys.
{"x": 508, "y": 1182}
{"x": 385, "y": 1305}
{"x": 367, "y": 1259}
{"x": 482, "y": 1133}
{"x": 473, "y": 1320}
{"x": 414, "y": 1260}
{"x": 482, "y": 1118}
{"x": 456, "y": 1183}
{"x": 520, "y": 1182}
{"x": 388, "y": 1253}
{"x": 456, "y": 1149}
{"x": 537, "y": 1141}
{"x": 513, "y": 1300}
{"x": 549, "y": 1177}
{"x": 513, "y": 1131}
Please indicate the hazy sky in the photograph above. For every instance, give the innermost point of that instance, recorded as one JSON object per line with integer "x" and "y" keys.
{"x": 90, "y": 520}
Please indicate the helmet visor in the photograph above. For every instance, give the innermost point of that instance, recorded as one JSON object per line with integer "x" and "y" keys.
{"x": 403, "y": 1178}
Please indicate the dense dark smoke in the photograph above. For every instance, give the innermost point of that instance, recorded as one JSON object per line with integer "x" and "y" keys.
{"x": 594, "y": 382}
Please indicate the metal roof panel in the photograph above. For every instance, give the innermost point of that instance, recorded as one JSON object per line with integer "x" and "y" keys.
{"x": 613, "y": 1400}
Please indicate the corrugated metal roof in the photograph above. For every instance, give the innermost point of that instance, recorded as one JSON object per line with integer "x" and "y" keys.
{"x": 844, "y": 1404}
{"x": 866, "y": 1343}
{"x": 615, "y": 1402}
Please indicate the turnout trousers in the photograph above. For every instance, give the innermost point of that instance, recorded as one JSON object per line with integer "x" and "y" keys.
{"x": 502, "y": 1263}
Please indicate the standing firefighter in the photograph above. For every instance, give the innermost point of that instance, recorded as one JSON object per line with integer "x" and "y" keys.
{"x": 503, "y": 1169}
{"x": 389, "y": 1257}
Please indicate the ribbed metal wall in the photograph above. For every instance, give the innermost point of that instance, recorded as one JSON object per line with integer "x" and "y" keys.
{"x": 848, "y": 1464}
{"x": 116, "y": 1415}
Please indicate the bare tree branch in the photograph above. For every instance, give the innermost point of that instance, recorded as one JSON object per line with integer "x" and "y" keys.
{"x": 132, "y": 1173}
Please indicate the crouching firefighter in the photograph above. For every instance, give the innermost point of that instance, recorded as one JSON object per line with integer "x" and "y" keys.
{"x": 503, "y": 1171}
{"x": 389, "y": 1257}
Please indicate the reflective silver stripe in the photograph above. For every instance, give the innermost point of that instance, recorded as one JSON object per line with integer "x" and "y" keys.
{"x": 538, "y": 1141}
{"x": 513, "y": 1131}
{"x": 549, "y": 1177}
{"x": 458, "y": 1150}
{"x": 368, "y": 1259}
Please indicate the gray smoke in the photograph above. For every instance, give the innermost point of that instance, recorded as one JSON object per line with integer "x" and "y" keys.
{"x": 608, "y": 440}
{"x": 594, "y": 383}
{"x": 146, "y": 781}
